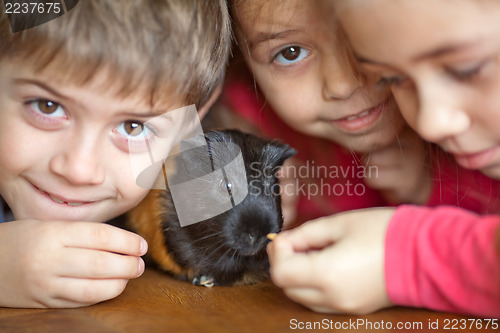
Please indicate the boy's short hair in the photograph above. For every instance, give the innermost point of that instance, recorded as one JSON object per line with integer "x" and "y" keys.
{"x": 163, "y": 47}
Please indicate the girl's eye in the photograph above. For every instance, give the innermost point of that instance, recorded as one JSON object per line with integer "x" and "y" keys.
{"x": 466, "y": 74}
{"x": 392, "y": 80}
{"x": 48, "y": 108}
{"x": 291, "y": 55}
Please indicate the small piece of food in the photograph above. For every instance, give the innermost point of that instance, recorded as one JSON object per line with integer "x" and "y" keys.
{"x": 271, "y": 235}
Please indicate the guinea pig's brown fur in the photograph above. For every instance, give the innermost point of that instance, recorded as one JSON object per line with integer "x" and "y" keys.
{"x": 230, "y": 248}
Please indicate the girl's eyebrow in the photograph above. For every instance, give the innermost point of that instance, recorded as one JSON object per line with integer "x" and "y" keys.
{"x": 446, "y": 49}
{"x": 366, "y": 61}
{"x": 441, "y": 51}
{"x": 262, "y": 37}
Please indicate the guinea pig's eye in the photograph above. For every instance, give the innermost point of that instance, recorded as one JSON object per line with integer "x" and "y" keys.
{"x": 225, "y": 187}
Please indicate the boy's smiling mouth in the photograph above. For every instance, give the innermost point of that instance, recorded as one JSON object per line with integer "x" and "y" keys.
{"x": 63, "y": 201}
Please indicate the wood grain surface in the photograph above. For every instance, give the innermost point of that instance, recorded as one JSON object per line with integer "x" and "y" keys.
{"x": 156, "y": 302}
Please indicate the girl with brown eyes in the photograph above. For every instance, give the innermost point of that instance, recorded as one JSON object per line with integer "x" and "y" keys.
{"x": 312, "y": 95}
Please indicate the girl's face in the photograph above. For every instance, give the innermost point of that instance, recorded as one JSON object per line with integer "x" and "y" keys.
{"x": 302, "y": 66}
{"x": 65, "y": 149}
{"x": 442, "y": 60}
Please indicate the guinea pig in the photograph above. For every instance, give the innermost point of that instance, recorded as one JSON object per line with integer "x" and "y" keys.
{"x": 230, "y": 248}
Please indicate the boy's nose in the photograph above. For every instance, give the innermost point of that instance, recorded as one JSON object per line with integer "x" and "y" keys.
{"x": 78, "y": 164}
{"x": 440, "y": 117}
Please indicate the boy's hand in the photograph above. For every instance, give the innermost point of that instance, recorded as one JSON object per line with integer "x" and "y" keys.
{"x": 66, "y": 264}
{"x": 334, "y": 264}
{"x": 402, "y": 172}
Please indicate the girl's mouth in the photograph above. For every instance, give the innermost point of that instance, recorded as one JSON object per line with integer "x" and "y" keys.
{"x": 478, "y": 160}
{"x": 361, "y": 120}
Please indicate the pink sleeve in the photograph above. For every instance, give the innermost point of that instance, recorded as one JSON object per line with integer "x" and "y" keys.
{"x": 444, "y": 259}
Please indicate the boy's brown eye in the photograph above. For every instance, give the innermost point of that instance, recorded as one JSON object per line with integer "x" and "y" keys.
{"x": 291, "y": 53}
{"x": 47, "y": 107}
{"x": 133, "y": 128}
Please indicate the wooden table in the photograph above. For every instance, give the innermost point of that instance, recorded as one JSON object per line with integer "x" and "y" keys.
{"x": 157, "y": 303}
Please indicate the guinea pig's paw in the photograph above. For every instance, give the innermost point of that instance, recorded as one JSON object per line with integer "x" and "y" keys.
{"x": 203, "y": 280}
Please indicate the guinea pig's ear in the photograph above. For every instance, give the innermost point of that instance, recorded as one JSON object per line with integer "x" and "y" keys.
{"x": 279, "y": 153}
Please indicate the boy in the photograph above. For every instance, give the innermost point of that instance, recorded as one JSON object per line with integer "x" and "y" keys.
{"x": 73, "y": 92}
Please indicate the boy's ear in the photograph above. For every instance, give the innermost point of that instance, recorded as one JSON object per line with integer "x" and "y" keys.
{"x": 215, "y": 95}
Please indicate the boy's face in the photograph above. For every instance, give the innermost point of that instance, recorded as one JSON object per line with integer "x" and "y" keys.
{"x": 302, "y": 67}
{"x": 442, "y": 60}
{"x": 64, "y": 148}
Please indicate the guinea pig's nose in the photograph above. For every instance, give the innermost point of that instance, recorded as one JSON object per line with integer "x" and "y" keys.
{"x": 252, "y": 238}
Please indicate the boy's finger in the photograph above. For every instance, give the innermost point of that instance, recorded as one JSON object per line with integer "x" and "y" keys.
{"x": 92, "y": 264}
{"x": 88, "y": 291}
{"x": 100, "y": 236}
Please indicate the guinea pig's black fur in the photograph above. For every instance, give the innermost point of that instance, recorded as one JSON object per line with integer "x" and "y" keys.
{"x": 229, "y": 248}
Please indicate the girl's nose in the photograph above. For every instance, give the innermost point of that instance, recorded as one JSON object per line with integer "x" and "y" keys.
{"x": 79, "y": 164}
{"x": 339, "y": 81}
{"x": 440, "y": 116}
